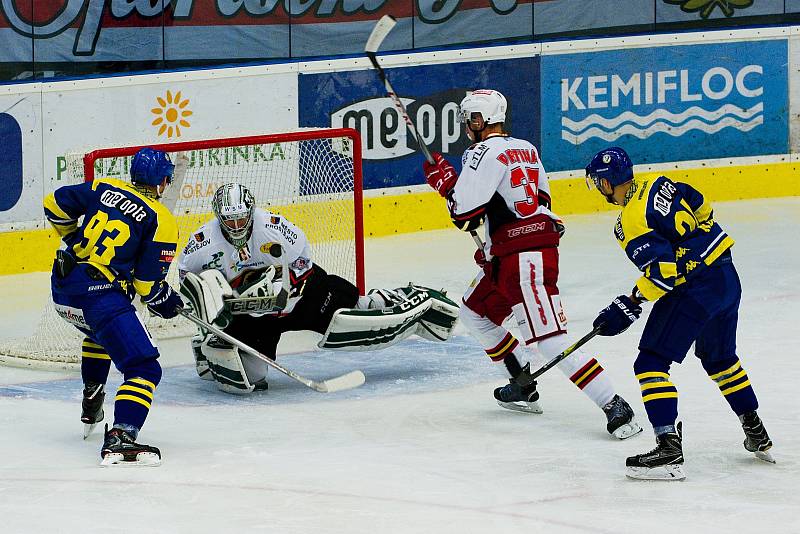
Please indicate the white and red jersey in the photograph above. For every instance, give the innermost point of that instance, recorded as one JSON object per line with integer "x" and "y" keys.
{"x": 272, "y": 235}
{"x": 503, "y": 180}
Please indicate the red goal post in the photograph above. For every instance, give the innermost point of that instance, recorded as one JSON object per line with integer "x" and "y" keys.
{"x": 310, "y": 137}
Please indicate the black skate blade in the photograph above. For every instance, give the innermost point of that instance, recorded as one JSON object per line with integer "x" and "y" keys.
{"x": 88, "y": 428}
{"x": 521, "y": 406}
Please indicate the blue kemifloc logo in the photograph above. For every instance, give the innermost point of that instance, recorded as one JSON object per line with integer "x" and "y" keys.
{"x": 626, "y": 94}
{"x": 10, "y": 162}
{"x": 666, "y": 103}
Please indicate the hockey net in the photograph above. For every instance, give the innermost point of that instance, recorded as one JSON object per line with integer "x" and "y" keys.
{"x": 311, "y": 177}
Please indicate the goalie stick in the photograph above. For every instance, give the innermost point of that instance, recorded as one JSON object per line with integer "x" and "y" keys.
{"x": 376, "y": 38}
{"x": 350, "y": 380}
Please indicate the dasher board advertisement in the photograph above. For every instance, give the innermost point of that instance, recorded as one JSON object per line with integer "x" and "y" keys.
{"x": 664, "y": 104}
{"x": 431, "y": 94}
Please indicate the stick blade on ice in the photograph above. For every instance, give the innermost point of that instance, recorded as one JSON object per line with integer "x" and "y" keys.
{"x": 351, "y": 380}
{"x": 379, "y": 33}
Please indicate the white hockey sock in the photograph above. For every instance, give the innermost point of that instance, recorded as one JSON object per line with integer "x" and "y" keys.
{"x": 583, "y": 370}
{"x": 496, "y": 340}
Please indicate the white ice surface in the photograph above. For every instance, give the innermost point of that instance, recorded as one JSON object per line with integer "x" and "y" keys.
{"x": 422, "y": 446}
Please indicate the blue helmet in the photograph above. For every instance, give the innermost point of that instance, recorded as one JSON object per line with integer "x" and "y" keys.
{"x": 613, "y": 164}
{"x": 149, "y": 167}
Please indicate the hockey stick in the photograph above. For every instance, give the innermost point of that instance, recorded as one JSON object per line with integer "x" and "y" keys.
{"x": 376, "y": 38}
{"x": 350, "y": 380}
{"x": 558, "y": 359}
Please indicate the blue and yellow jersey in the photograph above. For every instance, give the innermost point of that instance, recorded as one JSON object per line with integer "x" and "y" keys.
{"x": 124, "y": 234}
{"x": 667, "y": 230}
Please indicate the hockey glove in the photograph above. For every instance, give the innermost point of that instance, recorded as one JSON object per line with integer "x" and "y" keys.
{"x": 440, "y": 175}
{"x": 164, "y": 302}
{"x": 618, "y": 316}
{"x": 489, "y": 266}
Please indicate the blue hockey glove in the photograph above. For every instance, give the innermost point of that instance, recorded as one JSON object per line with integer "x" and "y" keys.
{"x": 164, "y": 302}
{"x": 617, "y": 316}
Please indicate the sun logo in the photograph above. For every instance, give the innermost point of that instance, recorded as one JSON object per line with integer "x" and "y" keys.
{"x": 171, "y": 114}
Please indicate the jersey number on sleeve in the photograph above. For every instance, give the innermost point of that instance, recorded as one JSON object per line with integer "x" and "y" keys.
{"x": 528, "y": 179}
{"x": 100, "y": 237}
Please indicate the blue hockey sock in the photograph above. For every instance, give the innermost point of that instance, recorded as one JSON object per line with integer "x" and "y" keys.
{"x": 132, "y": 403}
{"x": 95, "y": 362}
{"x": 660, "y": 396}
{"x": 734, "y": 384}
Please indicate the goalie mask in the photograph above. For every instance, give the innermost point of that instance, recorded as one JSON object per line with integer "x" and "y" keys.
{"x": 233, "y": 206}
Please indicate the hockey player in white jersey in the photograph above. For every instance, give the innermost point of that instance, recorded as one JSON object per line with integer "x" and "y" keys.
{"x": 252, "y": 273}
{"x": 504, "y": 184}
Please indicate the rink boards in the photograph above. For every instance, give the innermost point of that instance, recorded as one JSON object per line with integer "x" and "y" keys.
{"x": 713, "y": 108}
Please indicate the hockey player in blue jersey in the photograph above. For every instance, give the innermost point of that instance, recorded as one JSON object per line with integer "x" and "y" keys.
{"x": 122, "y": 247}
{"x": 667, "y": 230}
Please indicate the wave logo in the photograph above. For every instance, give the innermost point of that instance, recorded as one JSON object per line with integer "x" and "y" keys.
{"x": 668, "y": 91}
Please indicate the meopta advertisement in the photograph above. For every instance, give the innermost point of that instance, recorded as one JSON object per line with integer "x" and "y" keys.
{"x": 669, "y": 103}
{"x": 431, "y": 94}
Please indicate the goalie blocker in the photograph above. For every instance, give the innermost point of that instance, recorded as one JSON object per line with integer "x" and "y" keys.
{"x": 326, "y": 304}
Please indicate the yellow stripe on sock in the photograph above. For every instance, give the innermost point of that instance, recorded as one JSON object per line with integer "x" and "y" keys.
{"x": 503, "y": 349}
{"x": 727, "y": 371}
{"x": 134, "y": 399}
{"x": 90, "y": 345}
{"x": 736, "y": 388}
{"x": 95, "y": 355}
{"x": 143, "y": 382}
{"x": 652, "y": 374}
{"x": 651, "y": 385}
{"x": 144, "y": 392}
{"x": 656, "y": 396}
{"x": 591, "y": 370}
{"x": 733, "y": 378}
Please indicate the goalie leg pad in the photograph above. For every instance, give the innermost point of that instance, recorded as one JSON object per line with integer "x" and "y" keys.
{"x": 206, "y": 293}
{"x": 439, "y": 321}
{"x": 354, "y": 329}
{"x": 200, "y": 361}
{"x": 226, "y": 366}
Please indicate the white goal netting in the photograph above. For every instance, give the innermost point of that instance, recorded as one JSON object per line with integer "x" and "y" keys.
{"x": 311, "y": 177}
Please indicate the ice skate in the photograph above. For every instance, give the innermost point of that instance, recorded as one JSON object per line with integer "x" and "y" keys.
{"x": 621, "y": 420}
{"x": 120, "y": 450}
{"x": 756, "y": 438}
{"x": 512, "y": 396}
{"x": 665, "y": 462}
{"x": 92, "y": 407}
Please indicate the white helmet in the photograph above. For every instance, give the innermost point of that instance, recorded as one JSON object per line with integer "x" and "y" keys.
{"x": 489, "y": 103}
{"x": 233, "y": 204}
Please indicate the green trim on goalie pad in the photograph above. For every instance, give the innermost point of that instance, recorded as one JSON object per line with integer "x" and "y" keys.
{"x": 227, "y": 376}
{"x": 374, "y": 329}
